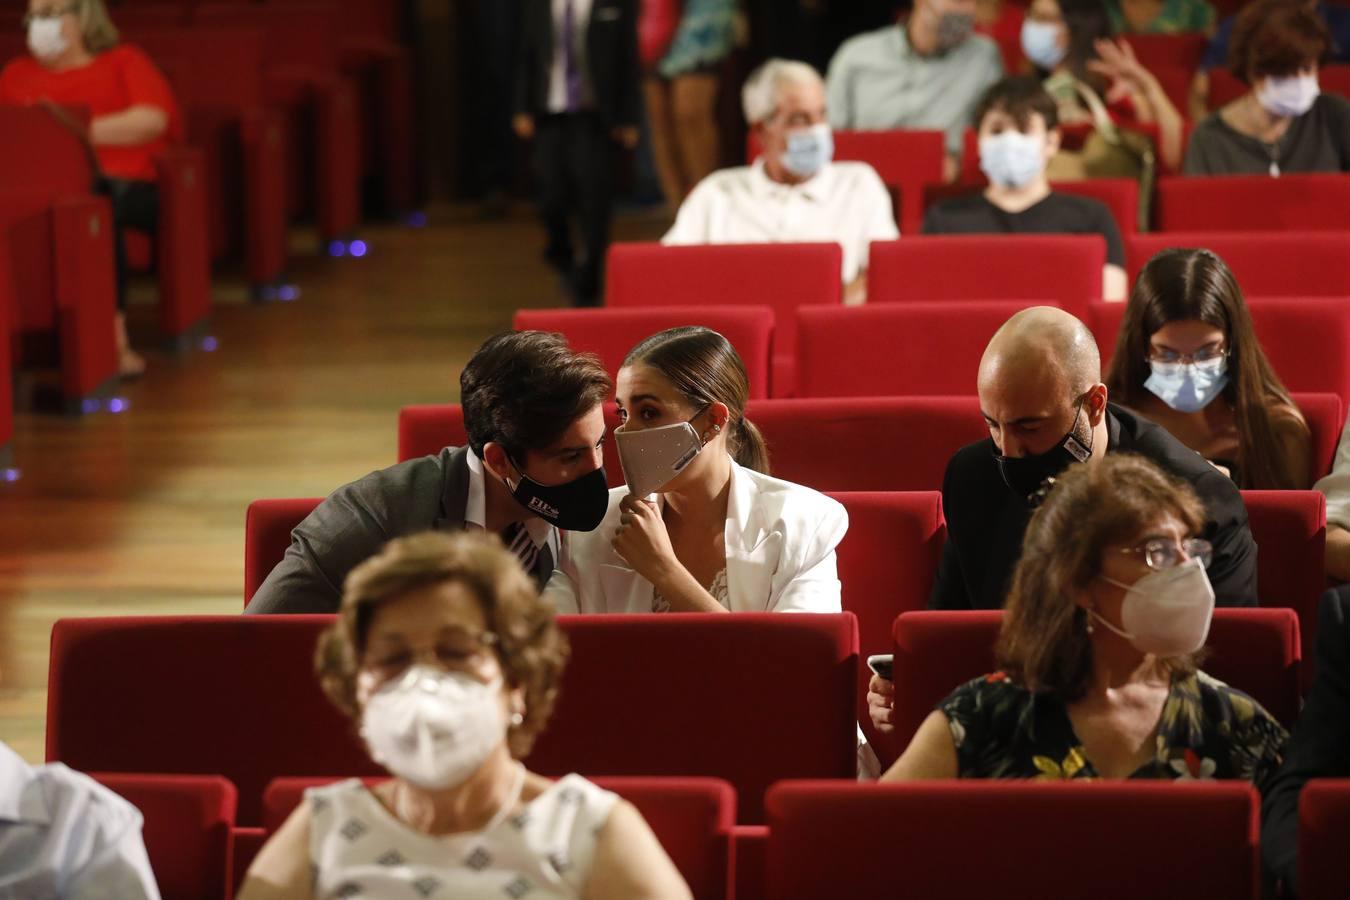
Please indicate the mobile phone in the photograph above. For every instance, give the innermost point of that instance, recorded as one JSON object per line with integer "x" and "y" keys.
{"x": 882, "y": 663}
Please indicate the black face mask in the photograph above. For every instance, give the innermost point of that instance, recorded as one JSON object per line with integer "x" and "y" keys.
{"x": 1030, "y": 477}
{"x": 578, "y": 505}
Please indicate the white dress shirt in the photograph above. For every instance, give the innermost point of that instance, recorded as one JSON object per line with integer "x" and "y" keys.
{"x": 62, "y": 834}
{"x": 475, "y": 510}
{"x": 845, "y": 202}
{"x": 557, "y": 78}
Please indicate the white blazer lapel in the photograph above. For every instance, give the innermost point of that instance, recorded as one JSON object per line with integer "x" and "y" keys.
{"x": 752, "y": 552}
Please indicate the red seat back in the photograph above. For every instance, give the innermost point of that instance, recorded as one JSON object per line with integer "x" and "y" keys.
{"x": 691, "y": 817}
{"x": 915, "y": 840}
{"x": 1156, "y": 50}
{"x": 1313, "y": 202}
{"x": 1063, "y": 269}
{"x": 1323, "y": 823}
{"x": 818, "y": 441}
{"x": 1325, "y": 415}
{"x": 267, "y": 534}
{"x": 1290, "y": 530}
{"x": 611, "y": 333}
{"x": 785, "y": 276}
{"x": 887, "y": 563}
{"x": 899, "y": 349}
{"x": 1254, "y": 650}
{"x": 1265, "y": 264}
{"x": 187, "y": 831}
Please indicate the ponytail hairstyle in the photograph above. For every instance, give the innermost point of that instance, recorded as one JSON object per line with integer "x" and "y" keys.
{"x": 705, "y": 368}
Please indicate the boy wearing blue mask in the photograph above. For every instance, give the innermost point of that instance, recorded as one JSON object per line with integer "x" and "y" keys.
{"x": 1018, "y": 125}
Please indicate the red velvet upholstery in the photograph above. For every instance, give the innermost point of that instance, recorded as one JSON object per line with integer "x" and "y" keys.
{"x": 691, "y": 817}
{"x": 425, "y": 430}
{"x": 784, "y": 276}
{"x": 867, "y": 443}
{"x": 247, "y": 705}
{"x": 887, "y": 563}
{"x": 267, "y": 534}
{"x": 1016, "y": 840}
{"x": 1265, "y": 264}
{"x": 248, "y": 842}
{"x": 750, "y": 847}
{"x": 906, "y": 161}
{"x": 897, "y": 349}
{"x": 1306, "y": 339}
{"x": 611, "y": 333}
{"x": 1325, "y": 414}
{"x": 1323, "y": 823}
{"x": 1254, "y": 650}
{"x": 187, "y": 831}
{"x": 1290, "y": 530}
{"x": 1062, "y": 269}
{"x": 1319, "y": 202}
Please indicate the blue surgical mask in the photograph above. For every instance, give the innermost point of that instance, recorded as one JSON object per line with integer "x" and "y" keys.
{"x": 809, "y": 150}
{"x": 1040, "y": 44}
{"x": 1188, "y": 387}
{"x": 1012, "y": 159}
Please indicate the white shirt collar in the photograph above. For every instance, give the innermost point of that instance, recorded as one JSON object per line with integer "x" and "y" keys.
{"x": 18, "y": 801}
{"x": 816, "y": 189}
{"x": 475, "y": 508}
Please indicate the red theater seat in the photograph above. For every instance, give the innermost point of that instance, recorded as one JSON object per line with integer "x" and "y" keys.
{"x": 267, "y": 534}
{"x": 1325, "y": 414}
{"x": 691, "y": 817}
{"x": 246, "y": 704}
{"x": 899, "y": 349}
{"x": 188, "y": 830}
{"x": 867, "y": 443}
{"x": 1319, "y": 202}
{"x": 1265, "y": 264}
{"x": 1065, "y": 270}
{"x": 785, "y": 276}
{"x": 611, "y": 333}
{"x": 1254, "y": 650}
{"x": 1290, "y": 530}
{"x": 951, "y": 840}
{"x": 1324, "y": 821}
{"x": 887, "y": 563}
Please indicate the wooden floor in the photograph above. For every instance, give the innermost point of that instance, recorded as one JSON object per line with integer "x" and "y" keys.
{"x": 143, "y": 512}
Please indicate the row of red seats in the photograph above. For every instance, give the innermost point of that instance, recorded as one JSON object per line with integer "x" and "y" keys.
{"x": 245, "y": 708}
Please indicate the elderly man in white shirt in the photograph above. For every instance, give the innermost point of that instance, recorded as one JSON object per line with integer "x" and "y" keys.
{"x": 64, "y": 835}
{"x": 794, "y": 191}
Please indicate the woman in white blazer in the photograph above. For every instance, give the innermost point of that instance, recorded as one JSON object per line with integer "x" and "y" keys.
{"x": 721, "y": 535}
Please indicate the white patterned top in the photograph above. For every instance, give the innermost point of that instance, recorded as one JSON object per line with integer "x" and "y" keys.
{"x": 543, "y": 851}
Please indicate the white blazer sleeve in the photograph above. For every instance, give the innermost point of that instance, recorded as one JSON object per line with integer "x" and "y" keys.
{"x": 809, "y": 580}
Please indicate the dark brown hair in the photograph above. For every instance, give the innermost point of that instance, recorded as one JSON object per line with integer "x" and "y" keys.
{"x": 1180, "y": 285}
{"x": 1086, "y": 22}
{"x": 529, "y": 647}
{"x": 1043, "y": 644}
{"x": 704, "y": 367}
{"x": 1020, "y": 97}
{"x": 523, "y": 389}
{"x": 1276, "y": 38}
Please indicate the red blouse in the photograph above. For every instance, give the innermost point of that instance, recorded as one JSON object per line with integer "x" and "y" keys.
{"x": 114, "y": 81}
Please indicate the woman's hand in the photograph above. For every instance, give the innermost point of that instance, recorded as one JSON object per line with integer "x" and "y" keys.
{"x": 642, "y": 541}
{"x": 1127, "y": 76}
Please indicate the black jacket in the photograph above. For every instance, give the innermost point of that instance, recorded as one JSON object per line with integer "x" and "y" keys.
{"x": 613, "y": 68}
{"x": 1320, "y": 747}
{"x": 986, "y": 520}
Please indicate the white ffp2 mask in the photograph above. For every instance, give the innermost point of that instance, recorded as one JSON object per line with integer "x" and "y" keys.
{"x": 1166, "y": 613}
{"x": 652, "y": 457}
{"x": 45, "y": 39}
{"x": 1288, "y": 97}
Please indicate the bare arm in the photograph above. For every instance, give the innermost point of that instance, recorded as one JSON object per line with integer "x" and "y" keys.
{"x": 281, "y": 870}
{"x": 130, "y": 127}
{"x": 1130, "y": 79}
{"x": 855, "y": 292}
{"x": 1115, "y": 284}
{"x": 630, "y": 863}
{"x": 931, "y": 754}
{"x": 1338, "y": 553}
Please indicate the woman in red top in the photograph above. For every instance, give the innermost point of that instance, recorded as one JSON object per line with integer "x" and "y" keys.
{"x": 77, "y": 61}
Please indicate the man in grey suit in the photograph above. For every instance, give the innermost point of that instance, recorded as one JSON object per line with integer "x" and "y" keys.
{"x": 532, "y": 410}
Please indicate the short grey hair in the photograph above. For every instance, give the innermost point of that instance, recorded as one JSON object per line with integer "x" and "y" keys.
{"x": 759, "y": 97}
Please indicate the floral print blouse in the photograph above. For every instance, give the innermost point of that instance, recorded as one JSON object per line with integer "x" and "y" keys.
{"x": 1207, "y": 730}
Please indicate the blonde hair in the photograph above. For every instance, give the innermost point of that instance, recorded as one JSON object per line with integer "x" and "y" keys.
{"x": 96, "y": 25}
{"x": 529, "y": 647}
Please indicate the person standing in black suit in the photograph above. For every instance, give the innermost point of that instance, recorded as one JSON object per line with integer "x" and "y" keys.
{"x": 578, "y": 91}
{"x": 1041, "y": 395}
{"x": 1320, "y": 747}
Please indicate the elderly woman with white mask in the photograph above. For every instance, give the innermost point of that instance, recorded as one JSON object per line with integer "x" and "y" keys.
{"x": 449, "y": 663}
{"x": 1284, "y": 124}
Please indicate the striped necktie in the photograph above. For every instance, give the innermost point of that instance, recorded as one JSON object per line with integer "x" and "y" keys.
{"x": 517, "y": 539}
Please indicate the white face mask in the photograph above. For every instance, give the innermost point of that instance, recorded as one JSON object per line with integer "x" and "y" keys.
{"x": 809, "y": 150}
{"x": 433, "y": 728}
{"x": 45, "y": 39}
{"x": 1288, "y": 97}
{"x": 1012, "y": 159}
{"x": 652, "y": 457}
{"x": 1166, "y": 613}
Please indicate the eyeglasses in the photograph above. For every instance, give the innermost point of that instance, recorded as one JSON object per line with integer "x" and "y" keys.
{"x": 53, "y": 13}
{"x": 1171, "y": 361}
{"x": 459, "y": 652}
{"x": 1161, "y": 554}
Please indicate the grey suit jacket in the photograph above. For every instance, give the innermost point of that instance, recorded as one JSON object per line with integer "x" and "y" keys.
{"x": 427, "y": 494}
